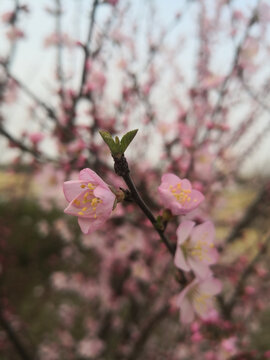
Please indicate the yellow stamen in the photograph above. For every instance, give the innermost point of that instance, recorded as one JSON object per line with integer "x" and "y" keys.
{"x": 90, "y": 186}
{"x": 181, "y": 195}
{"x": 94, "y": 202}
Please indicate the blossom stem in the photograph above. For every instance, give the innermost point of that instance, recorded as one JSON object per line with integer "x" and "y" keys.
{"x": 122, "y": 169}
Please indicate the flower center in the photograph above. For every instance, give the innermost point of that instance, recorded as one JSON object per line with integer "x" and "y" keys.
{"x": 198, "y": 250}
{"x": 202, "y": 301}
{"x": 181, "y": 195}
{"x": 88, "y": 203}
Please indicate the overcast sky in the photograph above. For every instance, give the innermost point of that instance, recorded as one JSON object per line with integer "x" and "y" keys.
{"x": 34, "y": 63}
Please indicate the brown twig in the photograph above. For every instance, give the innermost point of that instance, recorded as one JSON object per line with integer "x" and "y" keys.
{"x": 87, "y": 46}
{"x": 60, "y": 74}
{"x": 241, "y": 282}
{"x": 50, "y": 111}
{"x": 14, "y": 338}
{"x": 248, "y": 216}
{"x": 146, "y": 331}
{"x": 32, "y": 151}
{"x": 222, "y": 91}
{"x": 122, "y": 169}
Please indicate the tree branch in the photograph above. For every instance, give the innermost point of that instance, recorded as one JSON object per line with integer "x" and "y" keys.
{"x": 14, "y": 339}
{"x": 122, "y": 169}
{"x": 146, "y": 332}
{"x": 87, "y": 50}
{"x": 241, "y": 282}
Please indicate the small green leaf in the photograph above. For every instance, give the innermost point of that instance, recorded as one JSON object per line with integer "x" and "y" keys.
{"x": 107, "y": 137}
{"x": 127, "y": 138}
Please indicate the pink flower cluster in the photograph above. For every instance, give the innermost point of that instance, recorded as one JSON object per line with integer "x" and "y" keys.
{"x": 195, "y": 248}
{"x": 92, "y": 201}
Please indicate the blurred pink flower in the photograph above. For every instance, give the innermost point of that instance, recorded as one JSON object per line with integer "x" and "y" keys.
{"x": 203, "y": 164}
{"x": 197, "y": 298}
{"x": 8, "y": 16}
{"x": 211, "y": 81}
{"x": 55, "y": 39}
{"x": 14, "y": 34}
{"x": 196, "y": 337}
{"x": 90, "y": 199}
{"x": 36, "y": 137}
{"x": 178, "y": 195}
{"x": 90, "y": 347}
{"x": 229, "y": 346}
{"x": 111, "y": 2}
{"x": 96, "y": 82}
{"x": 186, "y": 134}
{"x": 195, "y": 248}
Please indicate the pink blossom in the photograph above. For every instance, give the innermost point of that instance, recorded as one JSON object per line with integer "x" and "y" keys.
{"x": 210, "y": 355}
{"x": 56, "y": 39}
{"x": 140, "y": 271}
{"x": 8, "y": 17}
{"x": 264, "y": 12}
{"x": 14, "y": 34}
{"x": 203, "y": 163}
{"x": 47, "y": 183}
{"x": 196, "y": 337}
{"x": 250, "y": 290}
{"x": 97, "y": 82}
{"x": 36, "y": 137}
{"x": 178, "y": 195}
{"x": 112, "y": 2}
{"x": 195, "y": 247}
{"x": 90, "y": 199}
{"x": 90, "y": 347}
{"x": 186, "y": 134}
{"x": 197, "y": 298}
{"x": 229, "y": 345}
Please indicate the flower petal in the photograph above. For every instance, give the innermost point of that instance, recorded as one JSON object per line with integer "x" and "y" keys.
{"x": 211, "y": 286}
{"x": 84, "y": 224}
{"x": 184, "y": 230}
{"x": 196, "y": 197}
{"x": 106, "y": 196}
{"x": 72, "y": 189}
{"x": 204, "y": 232}
{"x": 179, "y": 260}
{"x": 186, "y": 312}
{"x": 186, "y": 290}
{"x": 185, "y": 184}
{"x": 89, "y": 175}
{"x": 200, "y": 269}
{"x": 170, "y": 179}
{"x": 89, "y": 225}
